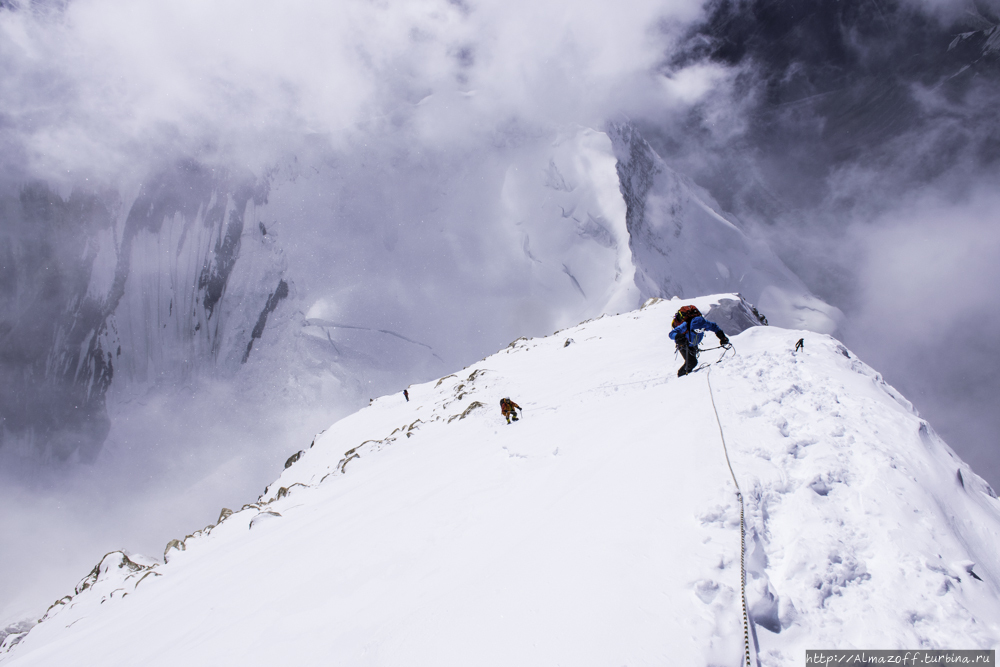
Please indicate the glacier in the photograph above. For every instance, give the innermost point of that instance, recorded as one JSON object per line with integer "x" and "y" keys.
{"x": 603, "y": 528}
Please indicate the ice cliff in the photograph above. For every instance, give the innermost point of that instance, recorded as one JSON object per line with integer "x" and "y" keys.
{"x": 129, "y": 290}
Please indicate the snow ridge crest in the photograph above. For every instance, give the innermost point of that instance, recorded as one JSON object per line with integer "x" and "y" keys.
{"x": 602, "y": 526}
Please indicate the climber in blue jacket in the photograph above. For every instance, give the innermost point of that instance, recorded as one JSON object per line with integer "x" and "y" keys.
{"x": 688, "y": 334}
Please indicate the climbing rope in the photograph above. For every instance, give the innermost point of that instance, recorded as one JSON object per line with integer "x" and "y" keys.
{"x": 726, "y": 349}
{"x": 743, "y": 532}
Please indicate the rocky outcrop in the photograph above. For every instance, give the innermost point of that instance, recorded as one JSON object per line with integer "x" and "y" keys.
{"x": 735, "y": 316}
{"x": 280, "y": 292}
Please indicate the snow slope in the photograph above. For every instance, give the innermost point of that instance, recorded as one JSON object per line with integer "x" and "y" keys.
{"x": 601, "y": 529}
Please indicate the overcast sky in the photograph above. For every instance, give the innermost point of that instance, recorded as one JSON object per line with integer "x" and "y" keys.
{"x": 865, "y": 148}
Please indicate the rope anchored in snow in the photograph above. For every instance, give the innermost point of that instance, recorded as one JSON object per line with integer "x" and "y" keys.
{"x": 743, "y": 532}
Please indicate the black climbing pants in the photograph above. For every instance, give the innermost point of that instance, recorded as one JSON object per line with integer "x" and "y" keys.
{"x": 690, "y": 355}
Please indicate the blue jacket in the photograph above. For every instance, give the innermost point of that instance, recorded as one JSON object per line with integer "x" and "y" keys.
{"x": 694, "y": 331}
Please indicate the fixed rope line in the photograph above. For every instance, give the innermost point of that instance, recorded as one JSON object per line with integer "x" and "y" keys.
{"x": 743, "y": 532}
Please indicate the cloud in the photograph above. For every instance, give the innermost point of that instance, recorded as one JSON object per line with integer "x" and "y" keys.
{"x": 690, "y": 84}
{"x": 932, "y": 254}
{"x": 927, "y": 311}
{"x": 102, "y": 86}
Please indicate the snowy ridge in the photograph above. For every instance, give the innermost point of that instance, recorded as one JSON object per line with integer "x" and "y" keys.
{"x": 601, "y": 529}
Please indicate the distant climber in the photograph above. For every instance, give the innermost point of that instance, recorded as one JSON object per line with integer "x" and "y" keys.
{"x": 689, "y": 328}
{"x": 509, "y": 408}
{"x": 406, "y": 395}
{"x": 800, "y": 345}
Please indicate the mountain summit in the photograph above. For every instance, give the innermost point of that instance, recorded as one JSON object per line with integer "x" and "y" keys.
{"x": 603, "y": 528}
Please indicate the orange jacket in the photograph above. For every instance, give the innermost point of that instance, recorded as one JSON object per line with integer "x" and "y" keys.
{"x": 507, "y": 405}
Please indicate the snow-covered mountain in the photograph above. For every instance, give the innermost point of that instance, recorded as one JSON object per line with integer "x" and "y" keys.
{"x": 149, "y": 286}
{"x": 198, "y": 323}
{"x": 182, "y": 274}
{"x": 684, "y": 245}
{"x": 603, "y": 528}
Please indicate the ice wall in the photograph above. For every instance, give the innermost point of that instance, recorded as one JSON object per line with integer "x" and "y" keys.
{"x": 105, "y": 289}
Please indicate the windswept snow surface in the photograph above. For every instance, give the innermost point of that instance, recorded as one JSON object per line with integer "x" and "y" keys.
{"x": 601, "y": 529}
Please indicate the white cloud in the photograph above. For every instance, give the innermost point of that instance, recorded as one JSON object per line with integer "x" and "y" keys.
{"x": 107, "y": 84}
{"x": 691, "y": 84}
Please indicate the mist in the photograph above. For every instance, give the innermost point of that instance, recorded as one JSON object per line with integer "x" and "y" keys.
{"x": 377, "y": 139}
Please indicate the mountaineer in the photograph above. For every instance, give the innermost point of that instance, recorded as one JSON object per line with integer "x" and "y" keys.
{"x": 508, "y": 409}
{"x": 689, "y": 328}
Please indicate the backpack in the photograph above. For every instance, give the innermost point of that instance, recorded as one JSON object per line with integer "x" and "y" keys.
{"x": 685, "y": 314}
